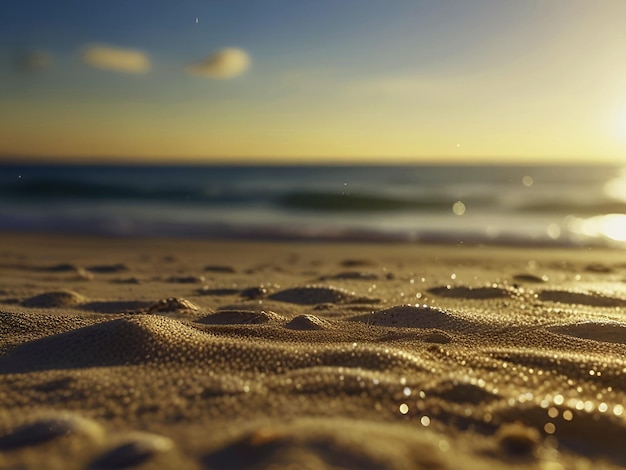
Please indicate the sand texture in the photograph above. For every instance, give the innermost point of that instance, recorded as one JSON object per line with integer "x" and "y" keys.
{"x": 127, "y": 353}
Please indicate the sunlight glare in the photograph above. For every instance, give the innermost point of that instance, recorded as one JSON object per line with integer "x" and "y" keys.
{"x": 612, "y": 226}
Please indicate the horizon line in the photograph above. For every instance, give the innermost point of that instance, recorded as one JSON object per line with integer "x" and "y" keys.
{"x": 15, "y": 159}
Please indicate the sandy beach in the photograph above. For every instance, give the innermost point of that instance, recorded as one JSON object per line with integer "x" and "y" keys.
{"x": 173, "y": 353}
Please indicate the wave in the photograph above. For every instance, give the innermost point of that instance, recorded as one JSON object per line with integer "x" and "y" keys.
{"x": 352, "y": 203}
{"x": 578, "y": 208}
{"x": 357, "y": 202}
{"x": 95, "y": 191}
{"x": 51, "y": 190}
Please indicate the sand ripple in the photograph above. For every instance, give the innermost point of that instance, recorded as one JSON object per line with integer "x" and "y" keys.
{"x": 611, "y": 332}
{"x": 581, "y": 298}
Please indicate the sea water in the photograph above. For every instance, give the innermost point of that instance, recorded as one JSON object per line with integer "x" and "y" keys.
{"x": 560, "y": 205}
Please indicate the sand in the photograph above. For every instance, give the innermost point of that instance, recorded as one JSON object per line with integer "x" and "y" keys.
{"x": 150, "y": 353}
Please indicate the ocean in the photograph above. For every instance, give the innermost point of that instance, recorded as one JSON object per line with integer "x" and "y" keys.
{"x": 526, "y": 205}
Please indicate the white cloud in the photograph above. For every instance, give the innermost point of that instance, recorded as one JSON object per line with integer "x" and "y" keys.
{"x": 115, "y": 58}
{"x": 225, "y": 63}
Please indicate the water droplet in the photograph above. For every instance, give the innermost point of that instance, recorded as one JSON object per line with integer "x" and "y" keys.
{"x": 425, "y": 420}
{"x": 404, "y": 408}
{"x": 458, "y": 208}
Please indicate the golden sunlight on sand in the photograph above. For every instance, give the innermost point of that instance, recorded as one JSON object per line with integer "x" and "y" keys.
{"x": 207, "y": 355}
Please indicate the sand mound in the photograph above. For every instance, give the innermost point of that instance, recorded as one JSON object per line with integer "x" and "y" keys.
{"x": 462, "y": 392}
{"x": 108, "y": 268}
{"x": 312, "y": 295}
{"x": 438, "y": 337}
{"x": 18, "y": 328}
{"x": 255, "y": 292}
{"x": 531, "y": 278}
{"x": 357, "y": 263}
{"x": 307, "y": 322}
{"x": 186, "y": 279}
{"x": 129, "y": 340}
{"x": 409, "y": 316}
{"x": 55, "y": 299}
{"x": 241, "y": 317}
{"x": 59, "y": 268}
{"x": 518, "y": 440}
{"x": 219, "y": 269}
{"x": 463, "y": 292}
{"x": 581, "y": 298}
{"x": 356, "y": 275}
{"x": 171, "y": 305}
{"x": 126, "y": 280}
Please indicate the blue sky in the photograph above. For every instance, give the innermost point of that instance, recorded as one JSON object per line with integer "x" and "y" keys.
{"x": 416, "y": 79}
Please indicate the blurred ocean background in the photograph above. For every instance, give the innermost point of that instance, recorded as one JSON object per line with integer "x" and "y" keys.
{"x": 527, "y": 205}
